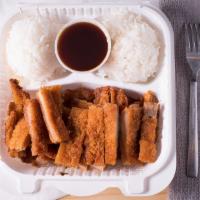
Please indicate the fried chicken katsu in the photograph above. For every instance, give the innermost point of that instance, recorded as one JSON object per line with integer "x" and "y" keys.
{"x": 130, "y": 125}
{"x": 149, "y": 128}
{"x": 69, "y": 153}
{"x": 20, "y": 137}
{"x": 111, "y": 123}
{"x": 58, "y": 132}
{"x": 16, "y": 134}
{"x": 94, "y": 143}
{"x": 37, "y": 127}
{"x": 19, "y": 96}
{"x": 81, "y": 128}
{"x": 111, "y": 95}
{"x": 11, "y": 121}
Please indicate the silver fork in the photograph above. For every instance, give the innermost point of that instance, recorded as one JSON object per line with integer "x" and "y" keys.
{"x": 192, "y": 34}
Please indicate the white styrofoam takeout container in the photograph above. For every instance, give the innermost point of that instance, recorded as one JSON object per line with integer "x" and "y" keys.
{"x": 132, "y": 181}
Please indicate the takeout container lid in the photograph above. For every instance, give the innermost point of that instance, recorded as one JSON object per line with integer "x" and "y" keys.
{"x": 132, "y": 182}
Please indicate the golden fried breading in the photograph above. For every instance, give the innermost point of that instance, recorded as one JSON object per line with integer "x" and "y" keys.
{"x": 20, "y": 138}
{"x": 148, "y": 151}
{"x": 19, "y": 96}
{"x": 111, "y": 95}
{"x": 57, "y": 96}
{"x": 102, "y": 95}
{"x": 16, "y": 154}
{"x": 121, "y": 99}
{"x": 149, "y": 128}
{"x": 130, "y": 125}
{"x": 58, "y": 132}
{"x": 10, "y": 124}
{"x": 37, "y": 127}
{"x": 149, "y": 122}
{"x": 69, "y": 153}
{"x": 111, "y": 122}
{"x": 150, "y": 96}
{"x": 94, "y": 144}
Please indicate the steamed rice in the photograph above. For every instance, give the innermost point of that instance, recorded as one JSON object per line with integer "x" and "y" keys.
{"x": 135, "y": 48}
{"x": 30, "y": 49}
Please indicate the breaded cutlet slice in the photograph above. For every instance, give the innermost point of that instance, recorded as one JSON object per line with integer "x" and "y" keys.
{"x": 19, "y": 96}
{"x": 10, "y": 122}
{"x": 57, "y": 96}
{"x": 130, "y": 125}
{"x": 111, "y": 95}
{"x": 150, "y": 96}
{"x": 148, "y": 151}
{"x": 37, "y": 127}
{"x": 57, "y": 130}
{"x": 20, "y": 138}
{"x": 111, "y": 122}
{"x": 149, "y": 122}
{"x": 94, "y": 144}
{"x": 149, "y": 125}
{"x": 121, "y": 99}
{"x": 69, "y": 153}
{"x": 102, "y": 95}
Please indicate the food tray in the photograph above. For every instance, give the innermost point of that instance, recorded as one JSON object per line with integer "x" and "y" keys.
{"x": 132, "y": 181}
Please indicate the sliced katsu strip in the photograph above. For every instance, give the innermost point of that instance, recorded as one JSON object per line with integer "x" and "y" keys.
{"x": 69, "y": 153}
{"x": 20, "y": 138}
{"x": 19, "y": 96}
{"x": 148, "y": 128}
{"x": 37, "y": 127}
{"x": 130, "y": 125}
{"x": 111, "y": 95}
{"x": 111, "y": 122}
{"x": 94, "y": 143}
{"x": 57, "y": 96}
{"x": 11, "y": 121}
{"x": 58, "y": 132}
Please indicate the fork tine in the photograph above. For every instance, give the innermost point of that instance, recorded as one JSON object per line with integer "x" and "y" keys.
{"x": 188, "y": 38}
{"x": 194, "y": 38}
{"x": 198, "y": 36}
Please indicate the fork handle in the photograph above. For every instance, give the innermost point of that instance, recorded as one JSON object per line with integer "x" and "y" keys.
{"x": 192, "y": 161}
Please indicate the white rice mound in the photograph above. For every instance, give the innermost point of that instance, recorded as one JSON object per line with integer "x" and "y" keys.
{"x": 135, "y": 48}
{"x": 30, "y": 48}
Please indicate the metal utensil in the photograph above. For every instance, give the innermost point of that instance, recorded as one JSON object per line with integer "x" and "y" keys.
{"x": 192, "y": 36}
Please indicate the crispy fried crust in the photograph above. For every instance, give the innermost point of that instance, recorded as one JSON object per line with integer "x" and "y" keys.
{"x": 130, "y": 125}
{"x": 58, "y": 132}
{"x": 148, "y": 128}
{"x": 111, "y": 123}
{"x": 19, "y": 96}
{"x": 10, "y": 124}
{"x": 20, "y": 138}
{"x": 148, "y": 151}
{"x": 150, "y": 96}
{"x": 94, "y": 144}
{"x": 57, "y": 96}
{"x": 37, "y": 127}
{"x": 111, "y": 95}
{"x": 69, "y": 153}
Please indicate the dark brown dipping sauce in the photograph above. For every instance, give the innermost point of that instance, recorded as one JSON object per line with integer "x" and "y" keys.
{"x": 82, "y": 46}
